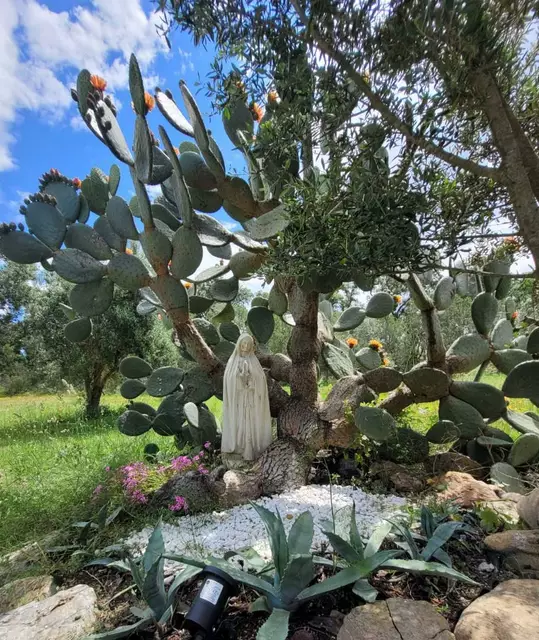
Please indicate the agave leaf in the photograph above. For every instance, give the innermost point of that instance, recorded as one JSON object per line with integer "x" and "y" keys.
{"x": 244, "y": 577}
{"x": 427, "y": 568}
{"x": 260, "y": 604}
{"x": 443, "y": 557}
{"x": 277, "y": 537}
{"x": 184, "y": 575}
{"x": 122, "y": 632}
{"x": 427, "y": 521}
{"x": 155, "y": 549}
{"x": 343, "y": 548}
{"x": 153, "y": 588}
{"x": 201, "y": 564}
{"x": 441, "y": 535}
{"x": 411, "y": 545}
{"x": 355, "y": 538}
{"x": 365, "y": 590}
{"x": 275, "y": 627}
{"x": 378, "y": 536}
{"x": 300, "y": 537}
{"x": 297, "y": 575}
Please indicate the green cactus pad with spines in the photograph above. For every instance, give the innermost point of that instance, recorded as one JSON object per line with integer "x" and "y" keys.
{"x": 444, "y": 293}
{"x": 521, "y": 343}
{"x": 132, "y": 388}
{"x": 224, "y": 289}
{"x": 224, "y": 350}
{"x": 368, "y": 358}
{"x": 78, "y": 330}
{"x": 84, "y": 211}
{"x": 383, "y": 379}
{"x": 67, "y": 199}
{"x": 120, "y": 218}
{"x": 443, "y": 432}
{"x": 135, "y": 367}
{"x": 205, "y": 201}
{"x": 247, "y": 243}
{"x": 208, "y": 331}
{"x": 269, "y": 224}
{"x": 362, "y": 280}
{"x": 522, "y": 422}
{"x": 143, "y": 150}
{"x": 112, "y": 133}
{"x": 176, "y": 183}
{"x": 495, "y": 267}
{"x": 489, "y": 441}
{"x": 493, "y": 432}
{"x": 143, "y": 408}
{"x": 187, "y": 253}
{"x": 210, "y": 274}
{"x": 466, "y": 418}
{"x": 210, "y": 231}
{"x": 157, "y": 248}
{"x": 196, "y": 172}
{"x": 337, "y": 362}
{"x": 223, "y": 253}
{"x": 406, "y": 446}
{"x": 502, "y": 334}
{"x": 237, "y": 191}
{"x": 105, "y": 230}
{"x": 187, "y": 145}
{"x": 161, "y": 167}
{"x": 524, "y": 450}
{"x": 191, "y": 412}
{"x": 172, "y": 113}
{"x": 468, "y": 352}
{"x": 197, "y": 386}
{"x": 46, "y": 223}
{"x": 144, "y": 308}
{"x": 375, "y": 423}
{"x": 173, "y": 294}
{"x": 172, "y": 405}
{"x": 507, "y": 476}
{"x": 84, "y": 88}
{"x": 427, "y": 382}
{"x": 229, "y": 331}
{"x": 207, "y": 425}
{"x": 68, "y": 311}
{"x": 261, "y": 323}
{"x": 224, "y": 312}
{"x": 235, "y": 212}
{"x": 324, "y": 307}
{"x": 325, "y": 330}
{"x": 160, "y": 212}
{"x": 259, "y": 301}
{"x": 80, "y": 236}
{"x": 350, "y": 319}
{"x": 165, "y": 424}
{"x": 510, "y": 307}
{"x": 114, "y": 179}
{"x": 133, "y": 423}
{"x": 77, "y": 266}
{"x": 128, "y": 272}
{"x": 136, "y": 86}
{"x": 506, "y": 360}
{"x": 199, "y": 304}
{"x": 532, "y": 345}
{"x": 503, "y": 288}
{"x": 244, "y": 264}
{"x": 92, "y": 298}
{"x": 95, "y": 189}
{"x": 484, "y": 311}
{"x": 488, "y": 400}
{"x": 23, "y": 248}
{"x": 164, "y": 381}
{"x": 277, "y": 301}
{"x": 380, "y": 305}
{"x": 195, "y": 117}
{"x": 465, "y": 285}
{"x": 523, "y": 381}
{"x": 236, "y": 118}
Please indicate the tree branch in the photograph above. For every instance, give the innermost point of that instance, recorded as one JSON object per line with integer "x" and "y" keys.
{"x": 385, "y": 111}
{"x": 431, "y": 323}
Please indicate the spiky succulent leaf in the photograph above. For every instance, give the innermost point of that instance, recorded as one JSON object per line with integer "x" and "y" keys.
{"x": 92, "y": 298}
{"x": 350, "y": 319}
{"x": 135, "y": 367}
{"x": 380, "y": 305}
{"x": 375, "y": 423}
{"x": 23, "y": 248}
{"x": 164, "y": 381}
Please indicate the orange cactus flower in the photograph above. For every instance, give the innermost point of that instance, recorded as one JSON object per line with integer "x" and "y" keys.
{"x": 98, "y": 83}
{"x": 187, "y": 285}
{"x": 176, "y": 151}
{"x": 375, "y": 344}
{"x": 514, "y": 315}
{"x": 257, "y": 111}
{"x": 76, "y": 183}
{"x": 273, "y": 97}
{"x": 149, "y": 101}
{"x": 385, "y": 362}
{"x": 351, "y": 342}
{"x": 129, "y": 251}
{"x": 398, "y": 299}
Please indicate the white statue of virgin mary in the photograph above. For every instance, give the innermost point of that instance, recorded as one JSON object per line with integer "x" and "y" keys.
{"x": 246, "y": 412}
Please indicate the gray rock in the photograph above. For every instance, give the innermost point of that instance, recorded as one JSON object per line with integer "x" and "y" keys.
{"x": 508, "y": 612}
{"x": 198, "y": 489}
{"x": 453, "y": 461}
{"x": 395, "y": 619}
{"x": 24, "y": 590}
{"x": 397, "y": 476}
{"x": 29, "y": 557}
{"x": 520, "y": 548}
{"x": 528, "y": 509}
{"x": 67, "y": 615}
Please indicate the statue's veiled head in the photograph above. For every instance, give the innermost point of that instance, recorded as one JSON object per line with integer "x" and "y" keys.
{"x": 246, "y": 345}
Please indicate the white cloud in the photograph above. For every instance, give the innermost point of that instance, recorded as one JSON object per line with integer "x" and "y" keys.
{"x": 42, "y": 51}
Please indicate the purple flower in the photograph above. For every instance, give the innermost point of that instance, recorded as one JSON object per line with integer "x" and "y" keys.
{"x": 139, "y": 497}
{"x": 107, "y": 468}
{"x": 98, "y": 490}
{"x": 207, "y": 445}
{"x": 179, "y": 504}
{"x": 202, "y": 469}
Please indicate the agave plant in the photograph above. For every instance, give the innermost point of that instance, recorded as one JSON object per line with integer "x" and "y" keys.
{"x": 148, "y": 575}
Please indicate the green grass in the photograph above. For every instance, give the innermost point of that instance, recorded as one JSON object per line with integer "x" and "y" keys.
{"x": 51, "y": 459}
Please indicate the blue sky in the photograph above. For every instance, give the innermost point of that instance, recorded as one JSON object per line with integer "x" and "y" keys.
{"x": 43, "y": 45}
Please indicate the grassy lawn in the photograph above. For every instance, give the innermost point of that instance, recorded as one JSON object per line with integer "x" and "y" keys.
{"x": 51, "y": 459}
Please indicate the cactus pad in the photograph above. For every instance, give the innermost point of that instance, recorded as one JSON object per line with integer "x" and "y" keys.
{"x": 506, "y": 360}
{"x": 498, "y": 268}
{"x": 132, "y": 389}
{"x": 465, "y": 417}
{"x": 210, "y": 231}
{"x": 172, "y": 113}
{"x": 128, "y": 272}
{"x": 205, "y": 201}
{"x": 133, "y": 423}
{"x": 78, "y": 330}
{"x": 135, "y": 367}
{"x": 197, "y": 386}
{"x": 164, "y": 381}
{"x": 375, "y": 423}
{"x": 268, "y": 225}
{"x": 261, "y": 323}
{"x": 380, "y": 305}
{"x": 207, "y": 330}
{"x": 444, "y": 293}
{"x": 224, "y": 350}
{"x": 23, "y": 248}
{"x": 96, "y": 191}
{"x": 104, "y": 229}
{"x": 523, "y": 381}
{"x": 46, "y": 223}
{"x": 427, "y": 382}
{"x": 196, "y": 172}
{"x": 524, "y": 450}
{"x": 484, "y": 311}
{"x": 350, "y": 319}
{"x": 507, "y": 476}
{"x": 77, "y": 266}
{"x": 224, "y": 289}
{"x": 79, "y": 236}
{"x": 224, "y": 312}
{"x": 277, "y": 301}
{"x": 468, "y": 352}
{"x": 443, "y": 432}
{"x": 187, "y": 253}
{"x": 368, "y": 358}
{"x": 67, "y": 199}
{"x": 502, "y": 334}
{"x": 229, "y": 331}
{"x": 488, "y": 400}
{"x": 199, "y": 304}
{"x": 120, "y": 218}
{"x": 244, "y": 264}
{"x": 383, "y": 379}
{"x": 144, "y": 408}
{"x": 522, "y": 422}
{"x": 337, "y": 362}
{"x": 92, "y": 298}
{"x": 532, "y": 345}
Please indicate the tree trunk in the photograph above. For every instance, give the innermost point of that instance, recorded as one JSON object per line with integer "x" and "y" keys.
{"x": 94, "y": 390}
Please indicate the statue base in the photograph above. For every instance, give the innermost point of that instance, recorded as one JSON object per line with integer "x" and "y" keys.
{"x": 236, "y": 462}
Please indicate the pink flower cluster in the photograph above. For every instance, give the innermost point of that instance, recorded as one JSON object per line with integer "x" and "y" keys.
{"x": 179, "y": 504}
{"x": 133, "y": 475}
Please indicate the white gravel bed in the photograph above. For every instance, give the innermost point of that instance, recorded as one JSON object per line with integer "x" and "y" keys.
{"x": 221, "y": 531}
